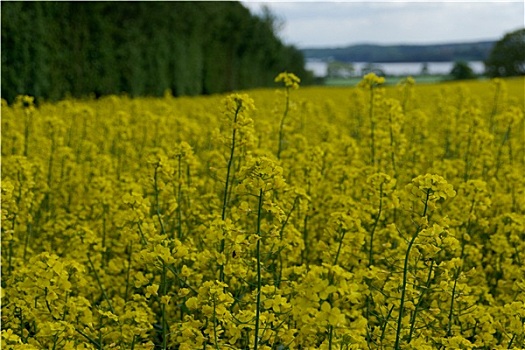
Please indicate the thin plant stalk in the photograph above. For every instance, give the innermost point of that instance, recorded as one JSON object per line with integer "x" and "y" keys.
{"x": 331, "y": 282}
{"x": 157, "y": 204}
{"x": 89, "y": 339}
{"x": 281, "y": 234}
{"x": 506, "y": 138}
{"x": 372, "y": 126}
{"x": 104, "y": 294}
{"x": 376, "y": 221}
{"x": 26, "y": 243}
{"x": 281, "y": 125}
{"x": 451, "y": 311}
{"x": 467, "y": 156}
{"x": 27, "y": 130}
{"x": 330, "y": 336}
{"x": 164, "y": 289}
{"x": 494, "y": 107}
{"x": 215, "y": 341}
{"x": 126, "y": 293}
{"x": 227, "y": 183}
{"x": 405, "y": 275}
{"x": 370, "y": 251}
{"x": 179, "y": 200}
{"x": 392, "y": 144}
{"x": 420, "y": 301}
{"x": 259, "y": 282}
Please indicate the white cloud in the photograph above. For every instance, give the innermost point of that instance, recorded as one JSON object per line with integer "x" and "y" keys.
{"x": 346, "y": 22}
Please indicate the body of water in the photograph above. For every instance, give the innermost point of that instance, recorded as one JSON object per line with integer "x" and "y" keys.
{"x": 319, "y": 68}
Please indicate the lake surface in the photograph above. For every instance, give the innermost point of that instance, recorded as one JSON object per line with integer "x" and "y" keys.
{"x": 319, "y": 68}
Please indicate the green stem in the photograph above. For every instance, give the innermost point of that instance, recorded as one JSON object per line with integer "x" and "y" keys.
{"x": 46, "y": 202}
{"x": 467, "y": 156}
{"x": 339, "y": 247}
{"x": 281, "y": 125}
{"x": 104, "y": 254}
{"x": 305, "y": 254}
{"x": 26, "y": 243}
{"x": 259, "y": 283}
{"x": 100, "y": 332}
{"x": 10, "y": 257}
{"x": 215, "y": 324}
{"x": 281, "y": 232}
{"x": 306, "y": 251}
{"x": 133, "y": 342}
{"x": 506, "y": 138}
{"x": 157, "y": 205}
{"x": 126, "y": 293}
{"x": 406, "y": 92}
{"x": 370, "y": 253}
{"x": 405, "y": 275}
{"x": 176, "y": 274}
{"x": 494, "y": 107}
{"x": 511, "y": 341}
{"x": 458, "y": 272}
{"x": 281, "y": 235}
{"x": 89, "y": 339}
{"x": 420, "y": 301}
{"x": 164, "y": 321}
{"x": 100, "y": 285}
{"x": 385, "y": 324}
{"x": 392, "y": 143}
{"x": 142, "y": 237}
{"x": 330, "y": 336}
{"x": 372, "y": 126}
{"x": 451, "y": 312}
{"x": 227, "y": 183}
{"x": 55, "y": 340}
{"x": 403, "y": 291}
{"x": 26, "y": 133}
{"x": 367, "y": 314}
{"x": 179, "y": 202}
{"x": 331, "y": 282}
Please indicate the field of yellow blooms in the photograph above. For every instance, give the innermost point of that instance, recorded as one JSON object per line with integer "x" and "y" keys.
{"x": 375, "y": 217}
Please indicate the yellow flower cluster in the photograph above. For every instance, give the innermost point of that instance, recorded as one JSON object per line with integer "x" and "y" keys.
{"x": 290, "y": 80}
{"x": 344, "y": 218}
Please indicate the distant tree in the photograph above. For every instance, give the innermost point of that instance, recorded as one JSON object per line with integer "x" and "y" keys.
{"x": 424, "y": 69}
{"x": 275, "y": 24}
{"x": 50, "y": 49}
{"x": 508, "y": 56}
{"x": 337, "y": 69}
{"x": 462, "y": 71}
{"x": 372, "y": 68}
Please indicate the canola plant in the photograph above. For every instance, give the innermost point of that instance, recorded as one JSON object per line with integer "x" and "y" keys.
{"x": 375, "y": 217}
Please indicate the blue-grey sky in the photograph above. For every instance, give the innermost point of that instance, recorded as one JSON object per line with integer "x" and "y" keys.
{"x": 341, "y": 23}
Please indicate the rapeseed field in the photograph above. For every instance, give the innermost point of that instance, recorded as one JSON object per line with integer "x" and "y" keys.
{"x": 375, "y": 217}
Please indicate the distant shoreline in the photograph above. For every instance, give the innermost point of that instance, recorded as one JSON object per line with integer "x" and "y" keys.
{"x": 472, "y": 51}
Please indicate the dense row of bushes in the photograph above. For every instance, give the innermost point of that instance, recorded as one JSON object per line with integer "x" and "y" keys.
{"x": 50, "y": 49}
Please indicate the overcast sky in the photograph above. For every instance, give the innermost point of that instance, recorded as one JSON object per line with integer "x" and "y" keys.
{"x": 341, "y": 23}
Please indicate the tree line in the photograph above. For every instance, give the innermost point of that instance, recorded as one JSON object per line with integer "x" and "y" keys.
{"x": 54, "y": 49}
{"x": 477, "y": 51}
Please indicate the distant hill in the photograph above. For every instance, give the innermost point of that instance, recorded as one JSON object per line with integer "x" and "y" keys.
{"x": 476, "y": 51}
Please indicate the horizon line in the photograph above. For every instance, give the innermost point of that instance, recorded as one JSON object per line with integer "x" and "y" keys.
{"x": 369, "y": 43}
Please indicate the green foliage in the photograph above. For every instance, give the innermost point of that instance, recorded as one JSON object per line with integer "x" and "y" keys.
{"x": 51, "y": 49}
{"x": 462, "y": 71}
{"x": 337, "y": 69}
{"x": 508, "y": 56}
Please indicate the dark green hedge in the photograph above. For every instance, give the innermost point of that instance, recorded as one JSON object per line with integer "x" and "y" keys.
{"x": 51, "y": 49}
